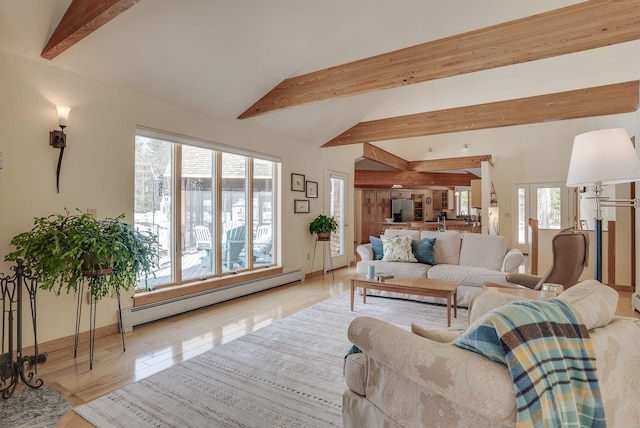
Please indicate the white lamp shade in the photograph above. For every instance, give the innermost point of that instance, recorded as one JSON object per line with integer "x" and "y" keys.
{"x": 606, "y": 156}
{"x": 63, "y": 115}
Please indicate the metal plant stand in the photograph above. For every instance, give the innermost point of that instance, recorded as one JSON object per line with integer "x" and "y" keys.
{"x": 93, "y": 309}
{"x": 25, "y": 368}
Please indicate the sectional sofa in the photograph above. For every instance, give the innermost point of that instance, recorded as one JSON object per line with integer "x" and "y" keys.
{"x": 469, "y": 258}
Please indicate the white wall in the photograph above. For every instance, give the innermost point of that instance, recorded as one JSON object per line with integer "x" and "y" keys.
{"x": 98, "y": 166}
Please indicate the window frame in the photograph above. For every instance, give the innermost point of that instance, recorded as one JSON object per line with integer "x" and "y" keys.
{"x": 217, "y": 277}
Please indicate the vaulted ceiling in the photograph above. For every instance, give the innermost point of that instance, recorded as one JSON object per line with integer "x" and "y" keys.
{"x": 342, "y": 72}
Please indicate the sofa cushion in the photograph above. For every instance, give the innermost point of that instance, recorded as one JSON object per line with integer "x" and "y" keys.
{"x": 594, "y": 302}
{"x": 414, "y": 234}
{"x": 378, "y": 249}
{"x": 447, "y": 245}
{"x": 397, "y": 249}
{"x": 483, "y": 250}
{"x": 414, "y": 270}
{"x": 424, "y": 251}
{"x": 466, "y": 275}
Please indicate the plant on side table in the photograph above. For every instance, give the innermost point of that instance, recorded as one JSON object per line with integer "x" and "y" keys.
{"x": 64, "y": 250}
{"x": 322, "y": 226}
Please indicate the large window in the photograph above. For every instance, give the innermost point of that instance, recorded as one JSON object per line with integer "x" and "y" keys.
{"x": 213, "y": 210}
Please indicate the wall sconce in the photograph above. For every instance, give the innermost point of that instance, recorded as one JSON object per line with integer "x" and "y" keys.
{"x": 58, "y": 139}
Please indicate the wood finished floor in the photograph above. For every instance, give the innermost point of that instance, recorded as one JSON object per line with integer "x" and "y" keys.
{"x": 157, "y": 346}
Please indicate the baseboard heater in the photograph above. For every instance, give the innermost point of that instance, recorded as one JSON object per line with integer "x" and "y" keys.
{"x": 132, "y": 317}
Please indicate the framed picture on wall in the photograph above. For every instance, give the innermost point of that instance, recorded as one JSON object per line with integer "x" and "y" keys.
{"x": 300, "y": 206}
{"x": 312, "y": 189}
{"x": 297, "y": 182}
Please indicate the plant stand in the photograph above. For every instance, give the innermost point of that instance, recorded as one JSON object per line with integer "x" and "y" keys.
{"x": 24, "y": 368}
{"x": 93, "y": 310}
{"x": 326, "y": 243}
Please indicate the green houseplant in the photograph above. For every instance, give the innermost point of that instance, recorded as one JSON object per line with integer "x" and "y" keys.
{"x": 323, "y": 225}
{"x": 63, "y": 250}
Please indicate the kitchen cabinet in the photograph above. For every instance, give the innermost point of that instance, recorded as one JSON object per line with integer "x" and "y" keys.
{"x": 418, "y": 207}
{"x": 443, "y": 200}
{"x": 375, "y": 207}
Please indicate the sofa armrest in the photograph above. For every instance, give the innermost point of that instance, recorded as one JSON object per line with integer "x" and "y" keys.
{"x": 365, "y": 251}
{"x": 512, "y": 260}
{"x": 464, "y": 377}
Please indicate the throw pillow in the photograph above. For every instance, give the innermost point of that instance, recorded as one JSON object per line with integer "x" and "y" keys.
{"x": 378, "y": 250}
{"x": 424, "y": 250}
{"x": 397, "y": 249}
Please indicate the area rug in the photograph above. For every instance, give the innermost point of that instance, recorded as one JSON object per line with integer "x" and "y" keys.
{"x": 33, "y": 408}
{"x": 287, "y": 374}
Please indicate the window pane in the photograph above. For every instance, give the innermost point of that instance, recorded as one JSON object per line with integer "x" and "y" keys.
{"x": 262, "y": 212}
{"x": 548, "y": 208}
{"x": 337, "y": 212}
{"x": 153, "y": 201}
{"x": 233, "y": 212}
{"x": 522, "y": 220}
{"x": 197, "y": 212}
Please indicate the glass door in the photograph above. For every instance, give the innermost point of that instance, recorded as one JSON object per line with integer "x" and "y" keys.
{"x": 546, "y": 202}
{"x": 335, "y": 201}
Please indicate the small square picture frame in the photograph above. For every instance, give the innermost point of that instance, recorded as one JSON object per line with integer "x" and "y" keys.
{"x": 312, "y": 189}
{"x": 297, "y": 182}
{"x": 301, "y": 206}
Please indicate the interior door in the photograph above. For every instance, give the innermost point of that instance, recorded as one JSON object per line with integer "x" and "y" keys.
{"x": 335, "y": 205}
{"x": 547, "y": 202}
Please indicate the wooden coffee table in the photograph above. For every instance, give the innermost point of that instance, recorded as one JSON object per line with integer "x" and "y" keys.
{"x": 408, "y": 285}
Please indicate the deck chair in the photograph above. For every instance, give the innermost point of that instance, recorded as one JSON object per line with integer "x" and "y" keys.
{"x": 203, "y": 237}
{"x": 232, "y": 247}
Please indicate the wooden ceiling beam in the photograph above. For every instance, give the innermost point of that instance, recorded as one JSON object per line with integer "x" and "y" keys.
{"x": 82, "y": 18}
{"x": 580, "y": 103}
{"x": 409, "y": 179}
{"x": 466, "y": 162}
{"x": 383, "y": 157}
{"x": 583, "y": 26}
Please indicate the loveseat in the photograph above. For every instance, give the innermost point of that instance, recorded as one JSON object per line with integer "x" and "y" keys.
{"x": 421, "y": 379}
{"x": 468, "y": 258}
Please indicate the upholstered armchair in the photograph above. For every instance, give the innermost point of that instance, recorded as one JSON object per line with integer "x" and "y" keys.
{"x": 570, "y": 250}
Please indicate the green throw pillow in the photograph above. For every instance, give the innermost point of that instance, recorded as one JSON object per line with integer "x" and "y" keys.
{"x": 378, "y": 250}
{"x": 424, "y": 250}
{"x": 397, "y": 249}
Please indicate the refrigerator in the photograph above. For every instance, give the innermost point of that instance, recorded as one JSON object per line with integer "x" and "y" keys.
{"x": 402, "y": 210}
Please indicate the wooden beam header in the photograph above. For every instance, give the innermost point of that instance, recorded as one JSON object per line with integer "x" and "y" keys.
{"x": 383, "y": 157}
{"x": 580, "y": 103}
{"x": 583, "y": 26}
{"x": 467, "y": 162}
{"x": 409, "y": 179}
{"x": 82, "y": 18}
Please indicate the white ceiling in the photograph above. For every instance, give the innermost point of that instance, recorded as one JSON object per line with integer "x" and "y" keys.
{"x": 221, "y": 56}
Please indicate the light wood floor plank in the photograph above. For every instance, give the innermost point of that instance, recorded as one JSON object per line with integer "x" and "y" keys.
{"x": 157, "y": 346}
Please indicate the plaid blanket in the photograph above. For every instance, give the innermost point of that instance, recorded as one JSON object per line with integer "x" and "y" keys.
{"x": 550, "y": 358}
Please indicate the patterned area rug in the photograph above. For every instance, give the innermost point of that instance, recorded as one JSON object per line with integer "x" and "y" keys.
{"x": 33, "y": 408}
{"x": 288, "y": 374}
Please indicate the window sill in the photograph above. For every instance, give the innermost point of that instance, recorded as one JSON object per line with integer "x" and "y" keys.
{"x": 166, "y": 293}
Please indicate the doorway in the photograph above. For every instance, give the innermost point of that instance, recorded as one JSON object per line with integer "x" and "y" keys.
{"x": 335, "y": 201}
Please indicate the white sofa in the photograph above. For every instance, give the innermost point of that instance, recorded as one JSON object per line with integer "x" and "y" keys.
{"x": 405, "y": 379}
{"x": 469, "y": 258}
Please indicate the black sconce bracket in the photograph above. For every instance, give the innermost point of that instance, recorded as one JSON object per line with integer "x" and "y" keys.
{"x": 58, "y": 140}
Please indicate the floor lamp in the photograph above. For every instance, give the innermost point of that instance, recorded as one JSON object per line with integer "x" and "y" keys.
{"x": 598, "y": 158}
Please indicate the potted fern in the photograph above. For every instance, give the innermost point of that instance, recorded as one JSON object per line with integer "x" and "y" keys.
{"x": 64, "y": 250}
{"x": 322, "y": 226}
